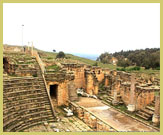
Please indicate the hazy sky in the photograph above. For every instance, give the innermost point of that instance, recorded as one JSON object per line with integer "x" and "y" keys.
{"x": 83, "y": 28}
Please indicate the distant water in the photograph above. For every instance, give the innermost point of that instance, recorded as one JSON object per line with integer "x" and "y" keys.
{"x": 88, "y": 56}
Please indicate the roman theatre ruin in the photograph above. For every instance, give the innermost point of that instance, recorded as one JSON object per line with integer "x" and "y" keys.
{"x": 61, "y": 95}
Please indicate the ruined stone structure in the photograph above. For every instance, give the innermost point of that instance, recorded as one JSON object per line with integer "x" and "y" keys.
{"x": 86, "y": 77}
{"x": 90, "y": 119}
{"x": 78, "y": 71}
{"x": 131, "y": 105}
{"x": 137, "y": 94}
{"x": 59, "y": 86}
{"x": 25, "y": 99}
{"x": 91, "y": 82}
{"x": 131, "y": 91}
{"x": 156, "y": 115}
{"x": 99, "y": 73}
{"x": 12, "y": 48}
{"x": 33, "y": 86}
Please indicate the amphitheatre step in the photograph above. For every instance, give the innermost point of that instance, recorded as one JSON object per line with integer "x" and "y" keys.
{"x": 25, "y": 100}
{"x": 110, "y": 98}
{"x": 36, "y": 99}
{"x": 21, "y": 125}
{"x": 33, "y": 95}
{"x": 109, "y": 101}
{"x": 153, "y": 104}
{"x": 148, "y": 111}
{"x": 35, "y": 88}
{"x": 23, "y": 92}
{"x": 35, "y": 114}
{"x": 10, "y": 111}
{"x": 144, "y": 114}
{"x": 143, "y": 117}
{"x": 150, "y": 108}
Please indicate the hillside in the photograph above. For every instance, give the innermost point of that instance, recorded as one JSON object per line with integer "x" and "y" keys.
{"x": 147, "y": 58}
{"x": 76, "y": 59}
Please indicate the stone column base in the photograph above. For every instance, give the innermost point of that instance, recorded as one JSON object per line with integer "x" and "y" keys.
{"x": 131, "y": 108}
{"x": 156, "y": 119}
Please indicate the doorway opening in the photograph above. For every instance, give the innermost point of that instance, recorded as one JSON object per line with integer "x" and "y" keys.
{"x": 5, "y": 65}
{"x": 54, "y": 91}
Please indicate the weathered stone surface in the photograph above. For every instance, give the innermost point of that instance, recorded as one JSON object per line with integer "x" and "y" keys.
{"x": 119, "y": 87}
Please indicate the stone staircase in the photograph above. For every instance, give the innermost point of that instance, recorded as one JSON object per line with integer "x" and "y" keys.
{"x": 25, "y": 99}
{"x": 106, "y": 94}
{"x": 109, "y": 100}
{"x": 147, "y": 112}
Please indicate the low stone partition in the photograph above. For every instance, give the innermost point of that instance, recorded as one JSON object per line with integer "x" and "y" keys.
{"x": 90, "y": 119}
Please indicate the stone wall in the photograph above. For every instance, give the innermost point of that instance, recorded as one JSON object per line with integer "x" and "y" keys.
{"x": 143, "y": 95}
{"x": 91, "y": 82}
{"x": 98, "y": 72}
{"x": 41, "y": 64}
{"x": 9, "y": 48}
{"x": 63, "y": 80}
{"x": 142, "y": 92}
{"x": 90, "y": 119}
{"x": 72, "y": 91}
{"x": 78, "y": 70}
{"x": 79, "y": 78}
{"x": 86, "y": 77}
{"x": 62, "y": 92}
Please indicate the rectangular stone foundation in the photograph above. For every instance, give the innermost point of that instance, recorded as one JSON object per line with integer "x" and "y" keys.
{"x": 90, "y": 119}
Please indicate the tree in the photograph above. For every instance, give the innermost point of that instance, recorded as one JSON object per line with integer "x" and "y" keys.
{"x": 124, "y": 63}
{"x": 54, "y": 50}
{"x": 104, "y": 58}
{"x": 61, "y": 55}
{"x": 148, "y": 58}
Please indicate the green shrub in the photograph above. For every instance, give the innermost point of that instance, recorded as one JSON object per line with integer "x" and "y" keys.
{"x": 49, "y": 58}
{"x": 157, "y": 68}
{"x": 55, "y": 67}
{"x": 95, "y": 64}
{"x": 118, "y": 69}
{"x": 61, "y": 55}
{"x": 136, "y": 68}
{"x": 121, "y": 69}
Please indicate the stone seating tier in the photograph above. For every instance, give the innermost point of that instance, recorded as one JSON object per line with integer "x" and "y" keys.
{"x": 26, "y": 103}
{"x": 147, "y": 112}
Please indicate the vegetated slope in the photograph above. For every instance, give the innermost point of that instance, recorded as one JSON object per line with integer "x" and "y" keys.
{"x": 148, "y": 58}
{"x": 73, "y": 58}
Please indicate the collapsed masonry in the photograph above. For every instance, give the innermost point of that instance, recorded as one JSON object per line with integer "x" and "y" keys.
{"x": 137, "y": 94}
{"x": 31, "y": 92}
